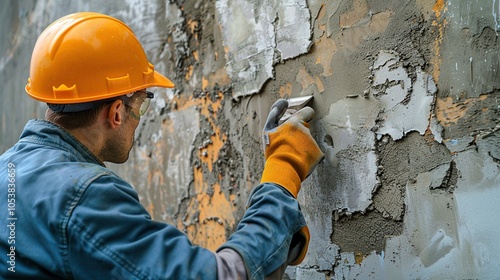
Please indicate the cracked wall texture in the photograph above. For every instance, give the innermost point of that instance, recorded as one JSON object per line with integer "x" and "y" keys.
{"x": 407, "y": 102}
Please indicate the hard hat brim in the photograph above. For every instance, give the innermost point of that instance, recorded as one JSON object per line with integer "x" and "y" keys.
{"x": 158, "y": 81}
{"x": 162, "y": 81}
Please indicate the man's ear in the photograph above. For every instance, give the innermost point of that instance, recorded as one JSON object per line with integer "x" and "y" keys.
{"x": 116, "y": 114}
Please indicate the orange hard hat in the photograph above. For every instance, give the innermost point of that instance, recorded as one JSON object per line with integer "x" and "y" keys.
{"x": 87, "y": 56}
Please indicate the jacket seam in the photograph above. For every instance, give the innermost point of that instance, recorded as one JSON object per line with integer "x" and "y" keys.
{"x": 64, "y": 224}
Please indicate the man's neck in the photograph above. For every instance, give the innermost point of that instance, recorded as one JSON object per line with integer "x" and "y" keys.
{"x": 91, "y": 139}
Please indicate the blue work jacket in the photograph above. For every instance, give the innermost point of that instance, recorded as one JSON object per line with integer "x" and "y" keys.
{"x": 64, "y": 215}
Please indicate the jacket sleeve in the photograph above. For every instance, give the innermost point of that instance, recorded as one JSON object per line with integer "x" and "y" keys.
{"x": 264, "y": 234}
{"x": 111, "y": 236}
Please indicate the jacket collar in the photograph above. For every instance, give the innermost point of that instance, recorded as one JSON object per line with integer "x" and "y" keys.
{"x": 45, "y": 132}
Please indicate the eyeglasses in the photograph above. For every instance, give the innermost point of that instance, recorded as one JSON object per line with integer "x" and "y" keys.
{"x": 144, "y": 105}
{"x": 78, "y": 107}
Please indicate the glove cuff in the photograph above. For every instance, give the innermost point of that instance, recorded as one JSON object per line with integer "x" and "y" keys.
{"x": 278, "y": 171}
{"x": 303, "y": 236}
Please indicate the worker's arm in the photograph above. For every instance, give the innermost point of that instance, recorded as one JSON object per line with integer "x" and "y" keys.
{"x": 264, "y": 234}
{"x": 110, "y": 235}
{"x": 273, "y": 232}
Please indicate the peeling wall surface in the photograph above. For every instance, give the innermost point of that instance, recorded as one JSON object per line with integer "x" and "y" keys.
{"x": 407, "y": 101}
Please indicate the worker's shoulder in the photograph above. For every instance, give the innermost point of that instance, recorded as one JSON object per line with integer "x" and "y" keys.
{"x": 83, "y": 179}
{"x": 107, "y": 186}
{"x": 102, "y": 177}
{"x": 90, "y": 173}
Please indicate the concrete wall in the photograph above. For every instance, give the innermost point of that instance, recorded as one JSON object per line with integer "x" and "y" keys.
{"x": 407, "y": 100}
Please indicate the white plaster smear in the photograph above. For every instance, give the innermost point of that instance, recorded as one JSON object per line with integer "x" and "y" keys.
{"x": 252, "y": 30}
{"x": 186, "y": 125}
{"x": 170, "y": 168}
{"x": 349, "y": 124}
{"x": 398, "y": 118}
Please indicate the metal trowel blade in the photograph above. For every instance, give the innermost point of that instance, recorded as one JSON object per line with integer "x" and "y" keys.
{"x": 295, "y": 104}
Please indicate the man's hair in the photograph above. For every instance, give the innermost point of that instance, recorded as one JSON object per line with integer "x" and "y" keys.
{"x": 75, "y": 120}
{"x": 82, "y": 119}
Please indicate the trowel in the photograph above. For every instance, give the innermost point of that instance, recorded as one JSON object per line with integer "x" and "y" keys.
{"x": 294, "y": 104}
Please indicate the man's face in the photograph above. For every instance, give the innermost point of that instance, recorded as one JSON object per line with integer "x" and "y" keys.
{"x": 119, "y": 146}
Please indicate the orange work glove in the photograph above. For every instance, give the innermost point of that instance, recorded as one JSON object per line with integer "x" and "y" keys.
{"x": 290, "y": 150}
{"x": 299, "y": 246}
{"x": 291, "y": 155}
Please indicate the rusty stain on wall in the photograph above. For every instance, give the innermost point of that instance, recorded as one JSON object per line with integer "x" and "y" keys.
{"x": 440, "y": 22}
{"x": 407, "y": 103}
{"x": 449, "y": 112}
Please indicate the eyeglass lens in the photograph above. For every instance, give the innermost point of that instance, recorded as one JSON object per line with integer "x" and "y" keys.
{"x": 145, "y": 104}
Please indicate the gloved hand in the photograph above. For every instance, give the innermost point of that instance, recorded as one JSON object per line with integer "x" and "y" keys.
{"x": 291, "y": 152}
{"x": 291, "y": 155}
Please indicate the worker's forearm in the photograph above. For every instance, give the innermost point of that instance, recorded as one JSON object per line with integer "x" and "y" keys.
{"x": 263, "y": 235}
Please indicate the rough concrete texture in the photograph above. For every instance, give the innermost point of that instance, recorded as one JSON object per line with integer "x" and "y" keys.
{"x": 406, "y": 95}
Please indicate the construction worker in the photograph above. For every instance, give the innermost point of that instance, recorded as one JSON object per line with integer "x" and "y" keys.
{"x": 65, "y": 215}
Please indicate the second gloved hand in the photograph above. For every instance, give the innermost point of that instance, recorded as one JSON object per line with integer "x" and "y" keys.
{"x": 290, "y": 150}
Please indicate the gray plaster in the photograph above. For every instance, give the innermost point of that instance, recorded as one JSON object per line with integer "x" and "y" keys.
{"x": 471, "y": 52}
